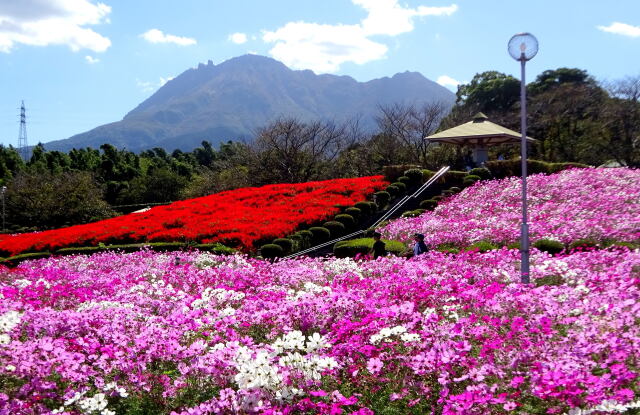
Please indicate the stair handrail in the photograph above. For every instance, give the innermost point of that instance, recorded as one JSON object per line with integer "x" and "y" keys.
{"x": 384, "y": 217}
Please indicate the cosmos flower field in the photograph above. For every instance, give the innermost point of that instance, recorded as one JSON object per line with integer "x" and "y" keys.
{"x": 194, "y": 333}
{"x": 136, "y": 333}
{"x": 598, "y": 204}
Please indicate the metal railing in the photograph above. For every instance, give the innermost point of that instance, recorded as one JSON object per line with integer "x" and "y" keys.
{"x": 384, "y": 217}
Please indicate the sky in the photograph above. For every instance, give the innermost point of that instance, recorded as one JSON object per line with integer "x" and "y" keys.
{"x": 78, "y": 64}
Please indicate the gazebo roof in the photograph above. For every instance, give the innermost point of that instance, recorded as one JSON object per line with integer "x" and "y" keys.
{"x": 479, "y": 131}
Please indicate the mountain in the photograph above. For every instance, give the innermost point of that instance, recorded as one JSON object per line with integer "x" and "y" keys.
{"x": 230, "y": 101}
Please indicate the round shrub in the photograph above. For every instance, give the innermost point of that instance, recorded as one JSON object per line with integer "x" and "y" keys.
{"x": 393, "y": 190}
{"x": 414, "y": 175}
{"x": 469, "y": 181}
{"x": 320, "y": 234}
{"x": 428, "y": 204}
{"x": 285, "y": 243}
{"x": 437, "y": 198}
{"x": 455, "y": 189}
{"x": 447, "y": 192}
{"x": 401, "y": 186}
{"x": 481, "y": 246}
{"x": 548, "y": 245}
{"x": 270, "y": 251}
{"x": 298, "y": 242}
{"x": 427, "y": 174}
{"x": 306, "y": 234}
{"x": 335, "y": 228}
{"x": 582, "y": 244}
{"x": 413, "y": 213}
{"x": 355, "y": 212}
{"x": 373, "y": 207}
{"x": 347, "y": 220}
{"x": 481, "y": 172}
{"x": 405, "y": 180}
{"x": 382, "y": 198}
{"x": 365, "y": 208}
{"x": 452, "y": 178}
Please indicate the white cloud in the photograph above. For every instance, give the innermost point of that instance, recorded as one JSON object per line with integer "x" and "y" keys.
{"x": 448, "y": 82}
{"x": 147, "y": 86}
{"x": 52, "y": 22}
{"x": 165, "y": 80}
{"x": 621, "y": 29}
{"x": 323, "y": 47}
{"x": 91, "y": 59}
{"x": 156, "y": 36}
{"x": 238, "y": 38}
{"x": 387, "y": 17}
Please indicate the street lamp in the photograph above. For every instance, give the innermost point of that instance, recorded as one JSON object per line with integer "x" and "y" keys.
{"x": 523, "y": 47}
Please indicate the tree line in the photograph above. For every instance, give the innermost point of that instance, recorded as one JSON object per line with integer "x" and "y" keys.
{"x": 573, "y": 117}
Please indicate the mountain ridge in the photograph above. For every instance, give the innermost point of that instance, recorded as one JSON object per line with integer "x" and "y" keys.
{"x": 233, "y": 99}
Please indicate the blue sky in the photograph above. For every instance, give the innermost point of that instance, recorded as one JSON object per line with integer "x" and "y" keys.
{"x": 82, "y": 63}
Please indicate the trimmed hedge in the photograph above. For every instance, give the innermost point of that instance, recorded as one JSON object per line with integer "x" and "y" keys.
{"x": 271, "y": 251}
{"x": 335, "y": 228}
{"x": 581, "y": 244}
{"x": 355, "y": 212}
{"x": 393, "y": 190}
{"x": 348, "y": 221}
{"x": 428, "y": 204}
{"x": 319, "y": 234}
{"x": 481, "y": 246}
{"x": 415, "y": 176}
{"x": 285, "y": 243}
{"x": 481, "y": 172}
{"x": 506, "y": 168}
{"x": 401, "y": 186}
{"x": 391, "y": 173}
{"x": 15, "y": 260}
{"x": 365, "y": 208}
{"x": 452, "y": 178}
{"x": 382, "y": 198}
{"x": 548, "y": 245}
{"x": 413, "y": 213}
{"x": 404, "y": 179}
{"x": 427, "y": 174}
{"x": 349, "y": 249}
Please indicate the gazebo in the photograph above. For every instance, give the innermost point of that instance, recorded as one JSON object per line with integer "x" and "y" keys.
{"x": 478, "y": 133}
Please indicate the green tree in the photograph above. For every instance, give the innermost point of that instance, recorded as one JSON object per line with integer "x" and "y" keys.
{"x": 44, "y": 200}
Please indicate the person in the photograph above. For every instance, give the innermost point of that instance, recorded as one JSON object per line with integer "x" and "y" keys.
{"x": 419, "y": 247}
{"x": 379, "y": 247}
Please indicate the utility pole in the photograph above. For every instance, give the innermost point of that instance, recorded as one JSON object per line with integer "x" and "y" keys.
{"x": 23, "y": 146}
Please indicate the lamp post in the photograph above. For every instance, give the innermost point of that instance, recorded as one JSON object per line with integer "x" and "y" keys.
{"x": 523, "y": 47}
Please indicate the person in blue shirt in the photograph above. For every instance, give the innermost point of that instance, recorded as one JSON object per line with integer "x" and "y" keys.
{"x": 419, "y": 247}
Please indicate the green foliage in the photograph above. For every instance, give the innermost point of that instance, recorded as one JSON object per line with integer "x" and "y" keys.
{"x": 382, "y": 198}
{"x": 365, "y": 208}
{"x": 415, "y": 176}
{"x": 447, "y": 192}
{"x": 215, "y": 248}
{"x": 427, "y": 174}
{"x": 428, "y": 204}
{"x": 354, "y": 212}
{"x": 455, "y": 189}
{"x": 413, "y": 213}
{"x": 393, "y": 172}
{"x": 350, "y": 248}
{"x": 581, "y": 244}
{"x": 448, "y": 248}
{"x": 15, "y": 260}
{"x": 470, "y": 180}
{"x": 401, "y": 186}
{"x": 320, "y": 234}
{"x": 549, "y": 280}
{"x": 405, "y": 180}
{"x": 481, "y": 172}
{"x": 285, "y": 243}
{"x": 452, "y": 178}
{"x": 271, "y": 251}
{"x": 393, "y": 190}
{"x": 47, "y": 200}
{"x": 336, "y": 228}
{"x": 489, "y": 92}
{"x": 373, "y": 207}
{"x": 548, "y": 245}
{"x": 481, "y": 246}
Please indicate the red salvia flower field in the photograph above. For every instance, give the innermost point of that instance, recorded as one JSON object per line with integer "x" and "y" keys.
{"x": 241, "y": 217}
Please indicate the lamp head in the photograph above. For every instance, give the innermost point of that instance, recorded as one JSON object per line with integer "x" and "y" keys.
{"x": 523, "y": 46}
